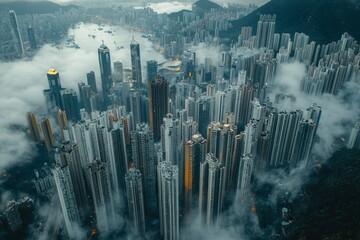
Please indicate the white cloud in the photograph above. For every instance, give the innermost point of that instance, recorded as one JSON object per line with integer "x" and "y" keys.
{"x": 338, "y": 111}
{"x": 169, "y": 7}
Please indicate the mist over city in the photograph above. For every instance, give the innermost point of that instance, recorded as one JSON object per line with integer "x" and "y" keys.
{"x": 179, "y": 120}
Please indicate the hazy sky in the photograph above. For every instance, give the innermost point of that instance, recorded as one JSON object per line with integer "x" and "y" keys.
{"x": 257, "y": 2}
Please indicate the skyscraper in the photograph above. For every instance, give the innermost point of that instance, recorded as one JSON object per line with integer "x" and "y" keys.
{"x": 134, "y": 189}
{"x": 68, "y": 154}
{"x": 170, "y": 138}
{"x": 55, "y": 88}
{"x": 204, "y": 114}
{"x": 102, "y": 195}
{"x": 211, "y": 191}
{"x": 262, "y": 152}
{"x": 16, "y": 31}
{"x": 91, "y": 81}
{"x": 135, "y": 105}
{"x": 242, "y": 113}
{"x": 105, "y": 73}
{"x": 158, "y": 104}
{"x": 151, "y": 68}
{"x": 227, "y": 136}
{"x": 195, "y": 150}
{"x": 265, "y": 31}
{"x": 136, "y": 63}
{"x": 62, "y": 122}
{"x": 118, "y": 156}
{"x": 47, "y": 133}
{"x": 32, "y": 39}
{"x": 118, "y": 72}
{"x": 12, "y": 215}
{"x": 213, "y": 137}
{"x": 143, "y": 153}
{"x": 168, "y": 194}
{"x": 304, "y": 142}
{"x": 220, "y": 144}
{"x": 284, "y": 132}
{"x": 70, "y": 104}
{"x": 237, "y": 153}
{"x": 354, "y": 140}
{"x": 33, "y": 127}
{"x": 245, "y": 171}
{"x": 85, "y": 93}
{"x": 67, "y": 198}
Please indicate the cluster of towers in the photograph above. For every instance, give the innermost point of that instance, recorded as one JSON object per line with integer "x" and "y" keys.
{"x": 19, "y": 44}
{"x": 172, "y": 154}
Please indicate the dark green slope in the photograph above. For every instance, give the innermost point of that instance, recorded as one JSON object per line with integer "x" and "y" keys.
{"x": 330, "y": 208}
{"x": 202, "y": 6}
{"x": 323, "y": 20}
{"x": 40, "y": 7}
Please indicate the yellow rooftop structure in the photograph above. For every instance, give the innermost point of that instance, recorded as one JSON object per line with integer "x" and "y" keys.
{"x": 52, "y": 71}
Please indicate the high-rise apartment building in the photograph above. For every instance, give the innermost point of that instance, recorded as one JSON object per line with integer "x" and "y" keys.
{"x": 135, "y": 199}
{"x": 91, "y": 81}
{"x": 85, "y": 94}
{"x": 16, "y": 32}
{"x": 170, "y": 139}
{"x": 70, "y": 104}
{"x": 304, "y": 142}
{"x": 195, "y": 151}
{"x": 151, "y": 69}
{"x": 118, "y": 156}
{"x": 12, "y": 215}
{"x": 136, "y": 63}
{"x": 135, "y": 106}
{"x": 283, "y": 135}
{"x": 265, "y": 31}
{"x": 168, "y": 194}
{"x": 242, "y": 112}
{"x": 33, "y": 127}
{"x": 47, "y": 134}
{"x": 67, "y": 198}
{"x": 105, "y": 73}
{"x": 118, "y": 74}
{"x": 243, "y": 185}
{"x": 211, "y": 191}
{"x": 54, "y": 88}
{"x": 143, "y": 154}
{"x": 68, "y": 154}
{"x": 354, "y": 140}
{"x": 236, "y": 157}
{"x": 203, "y": 116}
{"x": 32, "y": 39}
{"x": 158, "y": 104}
{"x": 102, "y": 195}
{"x": 62, "y": 122}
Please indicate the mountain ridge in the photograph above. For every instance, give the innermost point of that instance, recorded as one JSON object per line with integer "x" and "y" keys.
{"x": 323, "y": 20}
{"x": 37, "y": 7}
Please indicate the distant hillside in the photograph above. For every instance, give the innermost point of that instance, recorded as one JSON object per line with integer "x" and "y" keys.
{"x": 24, "y": 7}
{"x": 175, "y": 15}
{"x": 327, "y": 208}
{"x": 330, "y": 208}
{"x": 202, "y": 6}
{"x": 323, "y": 20}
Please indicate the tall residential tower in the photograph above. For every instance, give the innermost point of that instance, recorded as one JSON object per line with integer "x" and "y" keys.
{"x": 16, "y": 31}
{"x": 105, "y": 73}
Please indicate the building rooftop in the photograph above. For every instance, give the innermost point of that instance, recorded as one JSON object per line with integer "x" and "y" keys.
{"x": 52, "y": 71}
